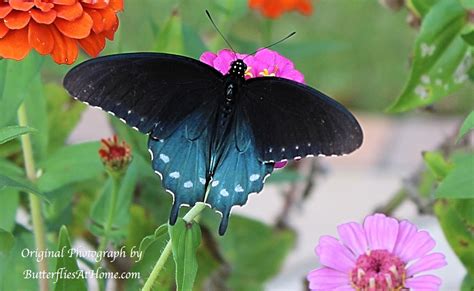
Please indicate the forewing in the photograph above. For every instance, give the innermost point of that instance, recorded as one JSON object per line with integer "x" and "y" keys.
{"x": 290, "y": 120}
{"x": 152, "y": 92}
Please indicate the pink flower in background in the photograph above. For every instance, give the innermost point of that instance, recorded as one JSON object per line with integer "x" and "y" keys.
{"x": 382, "y": 254}
{"x": 265, "y": 63}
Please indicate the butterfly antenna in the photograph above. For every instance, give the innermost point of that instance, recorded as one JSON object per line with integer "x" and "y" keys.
{"x": 273, "y": 44}
{"x": 222, "y": 35}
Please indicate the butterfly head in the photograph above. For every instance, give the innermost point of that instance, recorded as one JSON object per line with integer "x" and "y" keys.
{"x": 238, "y": 68}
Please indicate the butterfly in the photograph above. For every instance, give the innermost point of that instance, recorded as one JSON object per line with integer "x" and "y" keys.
{"x": 214, "y": 137}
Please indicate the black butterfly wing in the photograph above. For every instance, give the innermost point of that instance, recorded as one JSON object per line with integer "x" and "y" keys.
{"x": 152, "y": 92}
{"x": 291, "y": 120}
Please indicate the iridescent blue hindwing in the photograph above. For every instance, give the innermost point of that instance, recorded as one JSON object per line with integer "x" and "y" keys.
{"x": 238, "y": 173}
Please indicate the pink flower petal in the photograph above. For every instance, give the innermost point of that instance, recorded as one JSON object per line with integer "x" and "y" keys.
{"x": 334, "y": 255}
{"x": 327, "y": 279}
{"x": 224, "y": 59}
{"x": 425, "y": 283}
{"x": 419, "y": 245}
{"x": 406, "y": 231}
{"x": 381, "y": 232}
{"x": 353, "y": 236}
{"x": 279, "y": 165}
{"x": 208, "y": 58}
{"x": 426, "y": 263}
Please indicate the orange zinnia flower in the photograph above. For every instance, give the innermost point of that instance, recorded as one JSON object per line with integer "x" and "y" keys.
{"x": 56, "y": 27}
{"x": 274, "y": 8}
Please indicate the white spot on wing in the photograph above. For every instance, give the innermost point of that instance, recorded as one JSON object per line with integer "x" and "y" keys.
{"x": 202, "y": 180}
{"x": 238, "y": 189}
{"x": 188, "y": 184}
{"x": 164, "y": 158}
{"x": 175, "y": 175}
{"x": 214, "y": 183}
{"x": 254, "y": 177}
{"x": 224, "y": 193}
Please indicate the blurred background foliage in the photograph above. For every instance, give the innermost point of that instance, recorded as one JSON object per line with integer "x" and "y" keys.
{"x": 357, "y": 51}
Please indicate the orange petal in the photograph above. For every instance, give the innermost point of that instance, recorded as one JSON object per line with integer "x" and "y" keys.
{"x": 43, "y": 17}
{"x": 79, "y": 28}
{"x": 64, "y": 2}
{"x": 3, "y": 29}
{"x": 109, "y": 18}
{"x": 65, "y": 49}
{"x": 98, "y": 25}
{"x": 21, "y": 5}
{"x": 40, "y": 38}
{"x": 110, "y": 33}
{"x": 5, "y": 9}
{"x": 43, "y": 6}
{"x": 97, "y": 4}
{"x": 69, "y": 12}
{"x": 17, "y": 19}
{"x": 93, "y": 44}
{"x": 15, "y": 44}
{"x": 116, "y": 5}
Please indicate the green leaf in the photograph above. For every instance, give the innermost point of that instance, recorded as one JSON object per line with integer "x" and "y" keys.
{"x": 437, "y": 164}
{"x": 467, "y": 126}
{"x": 68, "y": 264}
{"x": 14, "y": 78}
{"x": 101, "y": 207}
{"x": 185, "y": 238}
{"x": 69, "y": 165}
{"x": 161, "y": 231}
{"x": 10, "y": 200}
{"x": 457, "y": 228}
{"x": 11, "y": 132}
{"x": 469, "y": 37}
{"x": 16, "y": 270}
{"x": 421, "y": 7}
{"x": 7, "y": 241}
{"x": 468, "y": 4}
{"x": 37, "y": 114}
{"x": 468, "y": 283}
{"x": 458, "y": 183}
{"x": 151, "y": 253}
{"x": 254, "y": 250}
{"x": 21, "y": 184}
{"x": 441, "y": 58}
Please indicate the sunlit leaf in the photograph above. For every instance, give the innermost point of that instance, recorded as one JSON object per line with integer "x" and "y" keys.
{"x": 14, "y": 78}
{"x": 458, "y": 183}
{"x": 468, "y": 283}
{"x": 441, "y": 60}
{"x": 70, "y": 164}
{"x": 11, "y": 132}
{"x": 421, "y": 7}
{"x": 67, "y": 264}
{"x": 185, "y": 239}
{"x": 467, "y": 125}
{"x": 21, "y": 184}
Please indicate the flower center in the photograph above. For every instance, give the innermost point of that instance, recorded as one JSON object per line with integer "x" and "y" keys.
{"x": 378, "y": 270}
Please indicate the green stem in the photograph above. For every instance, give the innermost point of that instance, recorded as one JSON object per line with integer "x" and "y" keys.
{"x": 35, "y": 202}
{"x": 104, "y": 241}
{"x": 190, "y": 216}
{"x": 393, "y": 203}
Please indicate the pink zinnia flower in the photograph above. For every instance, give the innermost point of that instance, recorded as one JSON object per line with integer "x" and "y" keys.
{"x": 265, "y": 63}
{"x": 382, "y": 254}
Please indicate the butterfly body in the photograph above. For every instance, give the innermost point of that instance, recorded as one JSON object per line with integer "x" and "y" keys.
{"x": 214, "y": 131}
